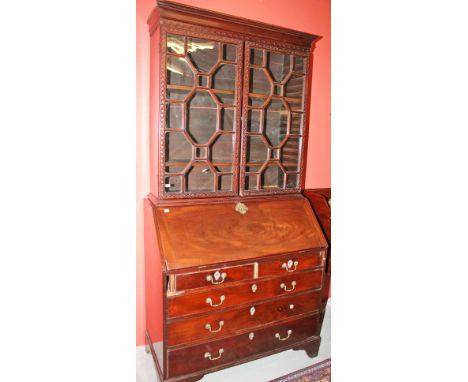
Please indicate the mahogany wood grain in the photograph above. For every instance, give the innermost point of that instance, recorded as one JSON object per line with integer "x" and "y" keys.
{"x": 230, "y": 322}
{"x": 319, "y": 200}
{"x": 199, "y": 279}
{"x": 304, "y": 262}
{"x": 241, "y": 294}
{"x": 192, "y": 359}
{"x": 196, "y": 235}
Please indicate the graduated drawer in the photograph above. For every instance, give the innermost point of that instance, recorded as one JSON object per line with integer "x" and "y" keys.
{"x": 214, "y": 276}
{"x": 232, "y": 349}
{"x": 229, "y": 322}
{"x": 290, "y": 264}
{"x": 229, "y": 296}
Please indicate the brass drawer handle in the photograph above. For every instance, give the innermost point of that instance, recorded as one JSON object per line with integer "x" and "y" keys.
{"x": 214, "y": 279}
{"x": 288, "y": 266}
{"x": 220, "y": 353}
{"x": 208, "y": 327}
{"x": 283, "y": 286}
{"x": 210, "y": 301}
{"x": 277, "y": 335}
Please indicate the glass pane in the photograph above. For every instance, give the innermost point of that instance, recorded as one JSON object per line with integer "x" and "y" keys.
{"x": 174, "y": 169}
{"x": 229, "y": 52}
{"x": 299, "y": 64}
{"x": 253, "y": 121}
{"x": 272, "y": 178}
{"x": 276, "y": 122}
{"x": 178, "y": 149}
{"x": 201, "y": 117}
{"x": 251, "y": 182}
{"x": 204, "y": 54}
{"x": 279, "y": 65}
{"x": 179, "y": 72}
{"x": 175, "y": 44}
{"x": 221, "y": 152}
{"x": 290, "y": 154}
{"x": 294, "y": 89}
{"x": 259, "y": 82}
{"x": 276, "y": 109}
{"x": 256, "y": 57}
{"x": 224, "y": 80}
{"x": 292, "y": 181}
{"x": 225, "y": 183}
{"x": 227, "y": 120}
{"x": 200, "y": 178}
{"x": 172, "y": 184}
{"x": 174, "y": 116}
{"x": 176, "y": 94}
{"x": 256, "y": 150}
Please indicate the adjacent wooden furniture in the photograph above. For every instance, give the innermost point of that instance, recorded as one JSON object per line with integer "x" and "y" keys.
{"x": 234, "y": 253}
{"x": 320, "y": 200}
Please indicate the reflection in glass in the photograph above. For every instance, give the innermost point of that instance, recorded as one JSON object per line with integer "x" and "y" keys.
{"x": 204, "y": 54}
{"x": 276, "y": 95}
{"x": 200, "y": 179}
{"x": 178, "y": 71}
{"x": 172, "y": 184}
{"x": 175, "y": 44}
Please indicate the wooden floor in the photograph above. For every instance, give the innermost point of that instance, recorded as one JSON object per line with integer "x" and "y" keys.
{"x": 262, "y": 370}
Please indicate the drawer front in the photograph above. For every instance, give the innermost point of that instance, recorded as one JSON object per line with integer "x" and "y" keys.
{"x": 290, "y": 264}
{"x": 229, "y": 322}
{"x": 216, "y": 276}
{"x": 219, "y": 298}
{"x": 232, "y": 349}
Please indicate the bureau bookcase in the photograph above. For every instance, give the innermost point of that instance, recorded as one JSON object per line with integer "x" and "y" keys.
{"x": 234, "y": 255}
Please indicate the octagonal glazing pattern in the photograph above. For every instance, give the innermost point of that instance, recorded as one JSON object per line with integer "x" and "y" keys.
{"x": 201, "y": 117}
{"x": 274, "y": 121}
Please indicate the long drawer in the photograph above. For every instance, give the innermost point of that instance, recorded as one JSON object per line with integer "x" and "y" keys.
{"x": 232, "y": 349}
{"x": 216, "y": 325}
{"x": 228, "y": 296}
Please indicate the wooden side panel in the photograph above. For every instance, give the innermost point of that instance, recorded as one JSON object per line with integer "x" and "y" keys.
{"x": 153, "y": 278}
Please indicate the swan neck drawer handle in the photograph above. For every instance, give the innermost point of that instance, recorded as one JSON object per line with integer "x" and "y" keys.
{"x": 209, "y": 301}
{"x": 283, "y": 286}
{"x": 277, "y": 335}
{"x": 208, "y": 327}
{"x": 214, "y": 279}
{"x": 288, "y": 266}
{"x": 220, "y": 353}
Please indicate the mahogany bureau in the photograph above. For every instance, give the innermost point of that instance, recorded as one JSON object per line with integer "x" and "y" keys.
{"x": 234, "y": 254}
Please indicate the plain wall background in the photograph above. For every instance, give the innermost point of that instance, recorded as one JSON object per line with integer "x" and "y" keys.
{"x": 312, "y": 16}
